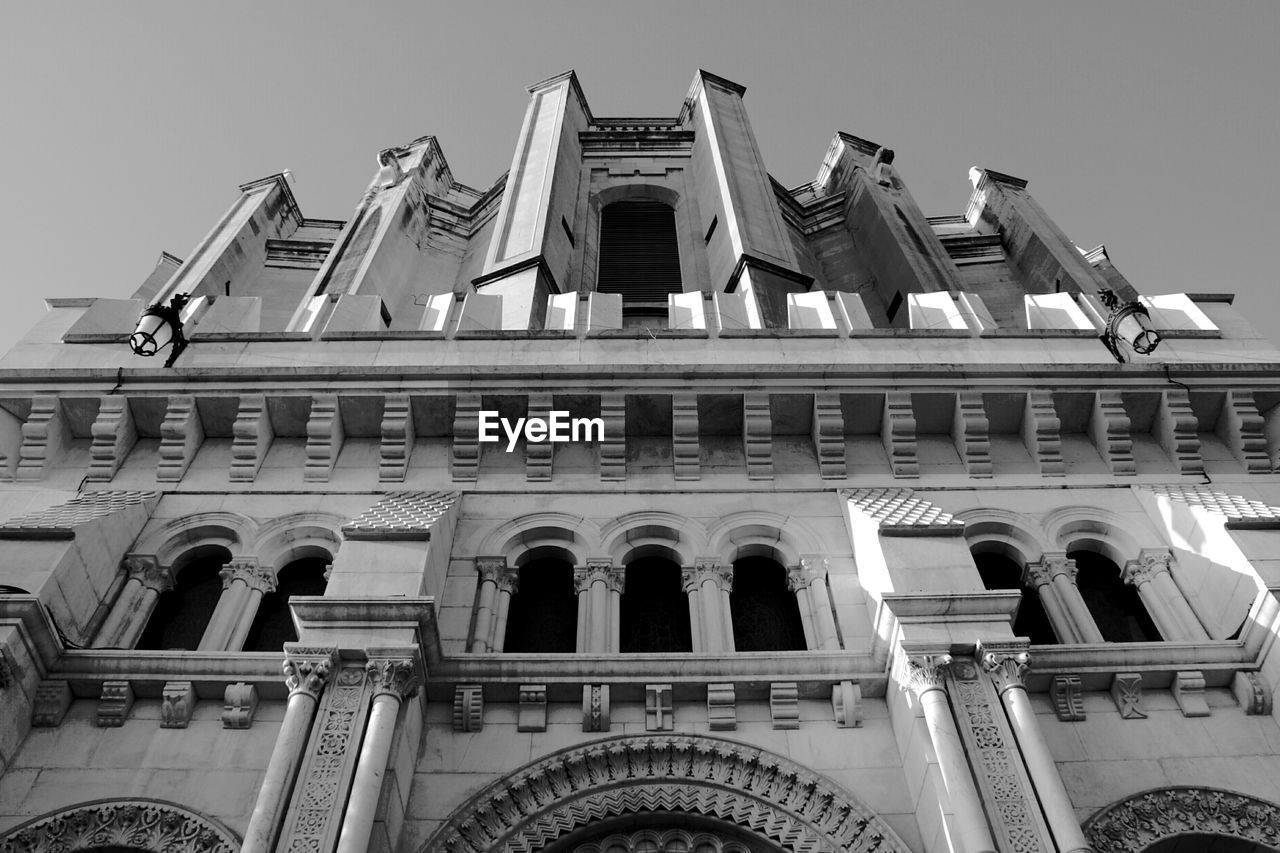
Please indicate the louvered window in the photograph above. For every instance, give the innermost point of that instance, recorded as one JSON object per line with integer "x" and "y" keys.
{"x": 639, "y": 257}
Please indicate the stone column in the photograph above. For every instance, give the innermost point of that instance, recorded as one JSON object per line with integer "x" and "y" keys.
{"x": 1062, "y": 573}
{"x": 147, "y": 579}
{"x": 597, "y": 584}
{"x": 394, "y": 677}
{"x": 925, "y": 676}
{"x": 1006, "y": 662}
{"x": 708, "y": 583}
{"x": 1160, "y": 595}
{"x": 489, "y": 568}
{"x": 809, "y": 583}
{"x": 306, "y": 672}
{"x": 237, "y": 575}
{"x": 508, "y": 585}
{"x": 260, "y": 583}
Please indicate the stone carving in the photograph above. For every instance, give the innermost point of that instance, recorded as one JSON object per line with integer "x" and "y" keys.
{"x": 757, "y": 435}
{"x": 648, "y": 839}
{"x": 1140, "y": 821}
{"x": 722, "y": 714}
{"x": 52, "y": 700}
{"x": 468, "y": 708}
{"x": 1252, "y": 692}
{"x": 969, "y": 433}
{"x": 613, "y": 447}
{"x": 239, "y": 704}
{"x": 684, "y": 436}
{"x": 1176, "y": 428}
{"x": 921, "y": 673}
{"x": 1006, "y": 663}
{"x": 692, "y": 578}
{"x": 899, "y": 511}
{"x": 178, "y": 701}
{"x": 465, "y": 454}
{"x": 136, "y": 824}
{"x": 810, "y": 570}
{"x": 1150, "y": 563}
{"x": 784, "y": 705}
{"x": 114, "y": 435}
{"x": 1041, "y": 433}
{"x": 1068, "y": 698}
{"x": 115, "y": 703}
{"x": 509, "y": 581}
{"x": 1126, "y": 691}
{"x": 532, "y": 716}
{"x": 402, "y": 516}
{"x": 1188, "y": 692}
{"x": 397, "y": 439}
{"x": 252, "y": 434}
{"x": 491, "y": 568}
{"x": 898, "y": 434}
{"x": 306, "y": 670}
{"x": 828, "y": 435}
{"x": 60, "y": 521}
{"x": 324, "y": 438}
{"x": 181, "y": 434}
{"x": 658, "y": 714}
{"x": 1239, "y": 512}
{"x": 1240, "y": 428}
{"x": 846, "y": 704}
{"x": 538, "y": 456}
{"x": 247, "y": 571}
{"x": 603, "y": 569}
{"x": 762, "y": 792}
{"x": 43, "y": 434}
{"x": 1050, "y": 566}
{"x": 595, "y": 707}
{"x": 1109, "y": 429}
{"x": 397, "y": 676}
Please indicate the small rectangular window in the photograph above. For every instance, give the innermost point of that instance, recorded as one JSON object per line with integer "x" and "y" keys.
{"x": 715, "y": 220}
{"x": 894, "y": 306}
{"x": 568, "y": 232}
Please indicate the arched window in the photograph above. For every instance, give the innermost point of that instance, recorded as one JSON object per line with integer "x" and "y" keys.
{"x": 543, "y": 616}
{"x": 1000, "y": 572}
{"x": 639, "y": 257}
{"x": 766, "y": 617}
{"x": 273, "y": 625}
{"x": 181, "y": 614}
{"x": 655, "y": 610}
{"x": 1114, "y": 605}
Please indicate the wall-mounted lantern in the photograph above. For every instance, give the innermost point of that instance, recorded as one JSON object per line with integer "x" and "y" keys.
{"x": 161, "y": 326}
{"x": 1130, "y": 323}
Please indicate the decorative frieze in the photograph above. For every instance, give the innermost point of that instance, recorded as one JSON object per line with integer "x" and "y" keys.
{"x": 757, "y": 436}
{"x": 539, "y": 455}
{"x": 1188, "y": 692}
{"x": 52, "y": 700}
{"x": 122, "y": 824}
{"x": 1176, "y": 428}
{"x": 61, "y": 520}
{"x": 658, "y": 712}
{"x": 324, "y": 438}
{"x": 397, "y": 439}
{"x": 177, "y": 702}
{"x": 468, "y": 708}
{"x": 846, "y": 704}
{"x": 969, "y": 432}
{"x": 239, "y": 705}
{"x": 114, "y": 704}
{"x": 898, "y": 433}
{"x": 722, "y": 714}
{"x": 1143, "y": 821}
{"x": 899, "y": 511}
{"x": 43, "y": 435}
{"x": 1239, "y": 512}
{"x": 114, "y": 435}
{"x": 1252, "y": 692}
{"x": 1109, "y": 429}
{"x": 532, "y": 715}
{"x": 251, "y": 437}
{"x": 1240, "y": 427}
{"x": 464, "y": 459}
{"x": 784, "y": 705}
{"x": 613, "y": 446}
{"x": 1126, "y": 692}
{"x": 1042, "y": 433}
{"x": 1068, "y": 698}
{"x": 181, "y": 434}
{"x": 684, "y": 436}
{"x": 595, "y": 707}
{"x": 828, "y": 436}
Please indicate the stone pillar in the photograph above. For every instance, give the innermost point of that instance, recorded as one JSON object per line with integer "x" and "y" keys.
{"x": 147, "y": 579}
{"x": 1074, "y": 613}
{"x": 924, "y": 675}
{"x": 489, "y": 568}
{"x": 1162, "y": 598}
{"x": 1006, "y": 662}
{"x": 306, "y": 671}
{"x": 260, "y": 583}
{"x": 809, "y": 583}
{"x": 394, "y": 677}
{"x": 598, "y": 585}
{"x": 237, "y": 577}
{"x": 508, "y": 585}
{"x": 707, "y": 584}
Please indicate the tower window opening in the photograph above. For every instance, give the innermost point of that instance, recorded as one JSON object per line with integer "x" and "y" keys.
{"x": 1000, "y": 572}
{"x": 1114, "y": 605}
{"x": 639, "y": 257}
{"x": 655, "y": 611}
{"x": 544, "y": 610}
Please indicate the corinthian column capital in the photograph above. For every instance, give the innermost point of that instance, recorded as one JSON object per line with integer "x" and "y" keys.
{"x": 393, "y": 671}
{"x": 1005, "y": 662}
{"x": 147, "y": 571}
{"x": 1050, "y": 566}
{"x": 921, "y": 673}
{"x": 1150, "y": 562}
{"x": 491, "y": 568}
{"x": 306, "y": 668}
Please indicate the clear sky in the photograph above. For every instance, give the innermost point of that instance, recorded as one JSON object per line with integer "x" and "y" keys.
{"x": 1149, "y": 126}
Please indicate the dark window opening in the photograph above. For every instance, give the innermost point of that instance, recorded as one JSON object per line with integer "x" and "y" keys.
{"x": 568, "y": 232}
{"x": 181, "y": 614}
{"x": 639, "y": 256}
{"x": 655, "y": 610}
{"x": 894, "y": 306}
{"x": 1000, "y": 572}
{"x": 766, "y": 617}
{"x": 1114, "y": 605}
{"x": 543, "y": 616}
{"x": 715, "y": 220}
{"x": 273, "y": 625}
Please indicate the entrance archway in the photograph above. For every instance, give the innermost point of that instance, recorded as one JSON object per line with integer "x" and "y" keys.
{"x": 122, "y": 825}
{"x": 1156, "y": 821}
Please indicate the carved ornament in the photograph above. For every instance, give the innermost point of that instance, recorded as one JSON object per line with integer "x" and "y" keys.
{"x": 134, "y": 823}
{"x": 1140, "y": 821}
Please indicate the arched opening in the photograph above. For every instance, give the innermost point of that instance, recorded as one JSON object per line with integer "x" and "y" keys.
{"x": 1206, "y": 842}
{"x": 639, "y": 258}
{"x": 273, "y": 625}
{"x": 1114, "y": 605}
{"x": 182, "y": 613}
{"x": 1186, "y": 818}
{"x": 766, "y": 617}
{"x": 655, "y": 610}
{"x": 543, "y": 615}
{"x": 1000, "y": 572}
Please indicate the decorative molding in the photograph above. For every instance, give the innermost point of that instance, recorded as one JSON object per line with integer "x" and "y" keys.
{"x": 1109, "y": 429}
{"x": 809, "y": 571}
{"x": 613, "y": 446}
{"x": 603, "y": 570}
{"x": 1252, "y": 692}
{"x": 693, "y": 577}
{"x": 397, "y": 439}
{"x": 595, "y": 707}
{"x": 1067, "y": 693}
{"x": 765, "y": 793}
{"x": 114, "y": 435}
{"x": 1239, "y": 512}
{"x": 532, "y": 716}
{"x": 757, "y": 435}
{"x": 1126, "y": 692}
{"x": 306, "y": 670}
{"x": 722, "y": 713}
{"x": 324, "y": 438}
{"x": 900, "y": 511}
{"x": 784, "y": 705}
{"x": 1176, "y": 428}
{"x": 646, "y": 840}
{"x": 468, "y": 708}
{"x": 1006, "y": 662}
{"x": 684, "y": 436}
{"x": 1140, "y": 821}
{"x": 1188, "y": 692}
{"x": 846, "y": 704}
{"x": 924, "y": 672}
{"x": 970, "y": 434}
{"x": 52, "y": 701}
{"x": 393, "y": 674}
{"x": 250, "y": 573}
{"x": 402, "y": 516}
{"x": 252, "y": 434}
{"x": 114, "y": 704}
{"x": 181, "y": 434}
{"x": 1042, "y": 433}
{"x": 539, "y": 455}
{"x": 178, "y": 701}
{"x": 1050, "y": 566}
{"x": 659, "y": 716}
{"x": 898, "y": 434}
{"x": 239, "y": 705}
{"x": 1241, "y": 428}
{"x": 133, "y": 823}
{"x": 464, "y": 453}
{"x": 1150, "y": 562}
{"x": 61, "y": 521}
{"x": 43, "y": 434}
{"x": 828, "y": 436}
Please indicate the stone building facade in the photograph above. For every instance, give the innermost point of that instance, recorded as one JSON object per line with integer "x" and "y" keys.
{"x": 874, "y": 545}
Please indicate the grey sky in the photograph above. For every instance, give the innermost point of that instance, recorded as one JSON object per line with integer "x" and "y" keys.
{"x": 1149, "y": 126}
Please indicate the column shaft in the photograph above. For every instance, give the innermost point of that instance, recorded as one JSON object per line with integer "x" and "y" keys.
{"x": 500, "y": 620}
{"x": 1063, "y": 625}
{"x": 127, "y": 604}
{"x": 712, "y": 628}
{"x": 366, "y": 787}
{"x": 484, "y": 615}
{"x": 1179, "y": 608}
{"x": 695, "y": 618}
{"x": 966, "y": 807}
{"x": 248, "y": 613}
{"x": 1081, "y": 618}
{"x": 820, "y": 601}
{"x": 273, "y": 796}
{"x": 1158, "y": 609}
{"x": 599, "y": 616}
{"x": 223, "y": 622}
{"x": 583, "y": 633}
{"x": 727, "y": 610}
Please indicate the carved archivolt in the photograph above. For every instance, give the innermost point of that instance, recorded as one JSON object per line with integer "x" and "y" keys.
{"x": 669, "y": 841}
{"x": 1143, "y": 819}
{"x": 142, "y": 824}
{"x": 762, "y": 792}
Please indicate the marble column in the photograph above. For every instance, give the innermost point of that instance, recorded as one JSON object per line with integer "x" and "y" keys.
{"x": 306, "y": 672}
{"x": 237, "y": 576}
{"x": 707, "y": 583}
{"x": 1062, "y": 595}
{"x": 507, "y": 586}
{"x": 809, "y": 583}
{"x": 146, "y": 580}
{"x": 598, "y": 585}
{"x": 489, "y": 569}
{"x": 1006, "y": 663}
{"x": 1165, "y": 603}
{"x": 260, "y": 583}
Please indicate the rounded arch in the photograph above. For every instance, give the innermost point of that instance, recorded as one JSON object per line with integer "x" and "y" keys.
{"x": 653, "y": 533}
{"x": 572, "y": 537}
{"x": 137, "y": 823}
{"x": 1083, "y": 528}
{"x": 772, "y": 796}
{"x": 1009, "y": 534}
{"x": 634, "y": 192}
{"x": 1150, "y": 817}
{"x": 229, "y": 530}
{"x": 298, "y": 536}
{"x": 762, "y": 534}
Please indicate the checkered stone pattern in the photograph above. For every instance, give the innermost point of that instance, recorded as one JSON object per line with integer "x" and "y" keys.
{"x": 61, "y": 520}
{"x": 1239, "y": 511}
{"x": 401, "y": 515}
{"x": 899, "y": 510}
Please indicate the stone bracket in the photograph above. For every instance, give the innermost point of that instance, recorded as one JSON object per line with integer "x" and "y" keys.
{"x": 722, "y": 713}
{"x": 898, "y": 433}
{"x": 114, "y": 704}
{"x": 1176, "y": 429}
{"x": 970, "y": 434}
{"x": 1126, "y": 691}
{"x": 464, "y": 455}
{"x": 52, "y": 700}
{"x": 659, "y": 715}
{"x": 468, "y": 708}
{"x": 1252, "y": 692}
{"x": 178, "y": 701}
{"x": 613, "y": 447}
{"x": 757, "y": 436}
{"x": 1109, "y": 429}
{"x": 684, "y": 436}
{"x": 846, "y": 704}
{"x": 1240, "y": 428}
{"x": 397, "y": 439}
{"x": 1041, "y": 433}
{"x": 181, "y": 434}
{"x": 538, "y": 456}
{"x": 784, "y": 705}
{"x": 252, "y": 434}
{"x": 595, "y": 707}
{"x": 239, "y": 705}
{"x": 1068, "y": 698}
{"x": 533, "y": 708}
{"x": 828, "y": 435}
{"x": 43, "y": 434}
{"x": 1188, "y": 692}
{"x": 324, "y": 438}
{"x": 114, "y": 435}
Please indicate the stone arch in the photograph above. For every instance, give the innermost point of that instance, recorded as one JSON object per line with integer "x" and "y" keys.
{"x": 571, "y": 536}
{"x": 202, "y": 530}
{"x": 1093, "y": 529}
{"x": 298, "y": 536}
{"x": 762, "y": 534}
{"x": 653, "y": 533}
{"x": 1009, "y": 534}
{"x": 771, "y": 796}
{"x": 138, "y": 823}
{"x": 1149, "y": 817}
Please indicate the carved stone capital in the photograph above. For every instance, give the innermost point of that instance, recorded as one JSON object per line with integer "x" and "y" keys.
{"x": 1144, "y": 819}
{"x": 693, "y": 577}
{"x": 509, "y": 581}
{"x": 1006, "y": 663}
{"x": 802, "y": 576}
{"x": 148, "y": 572}
{"x": 393, "y": 672}
{"x": 1049, "y": 567}
{"x": 307, "y": 669}
{"x": 491, "y": 568}
{"x": 1150, "y": 562}
{"x": 598, "y": 570}
{"x": 924, "y": 672}
{"x": 247, "y": 570}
